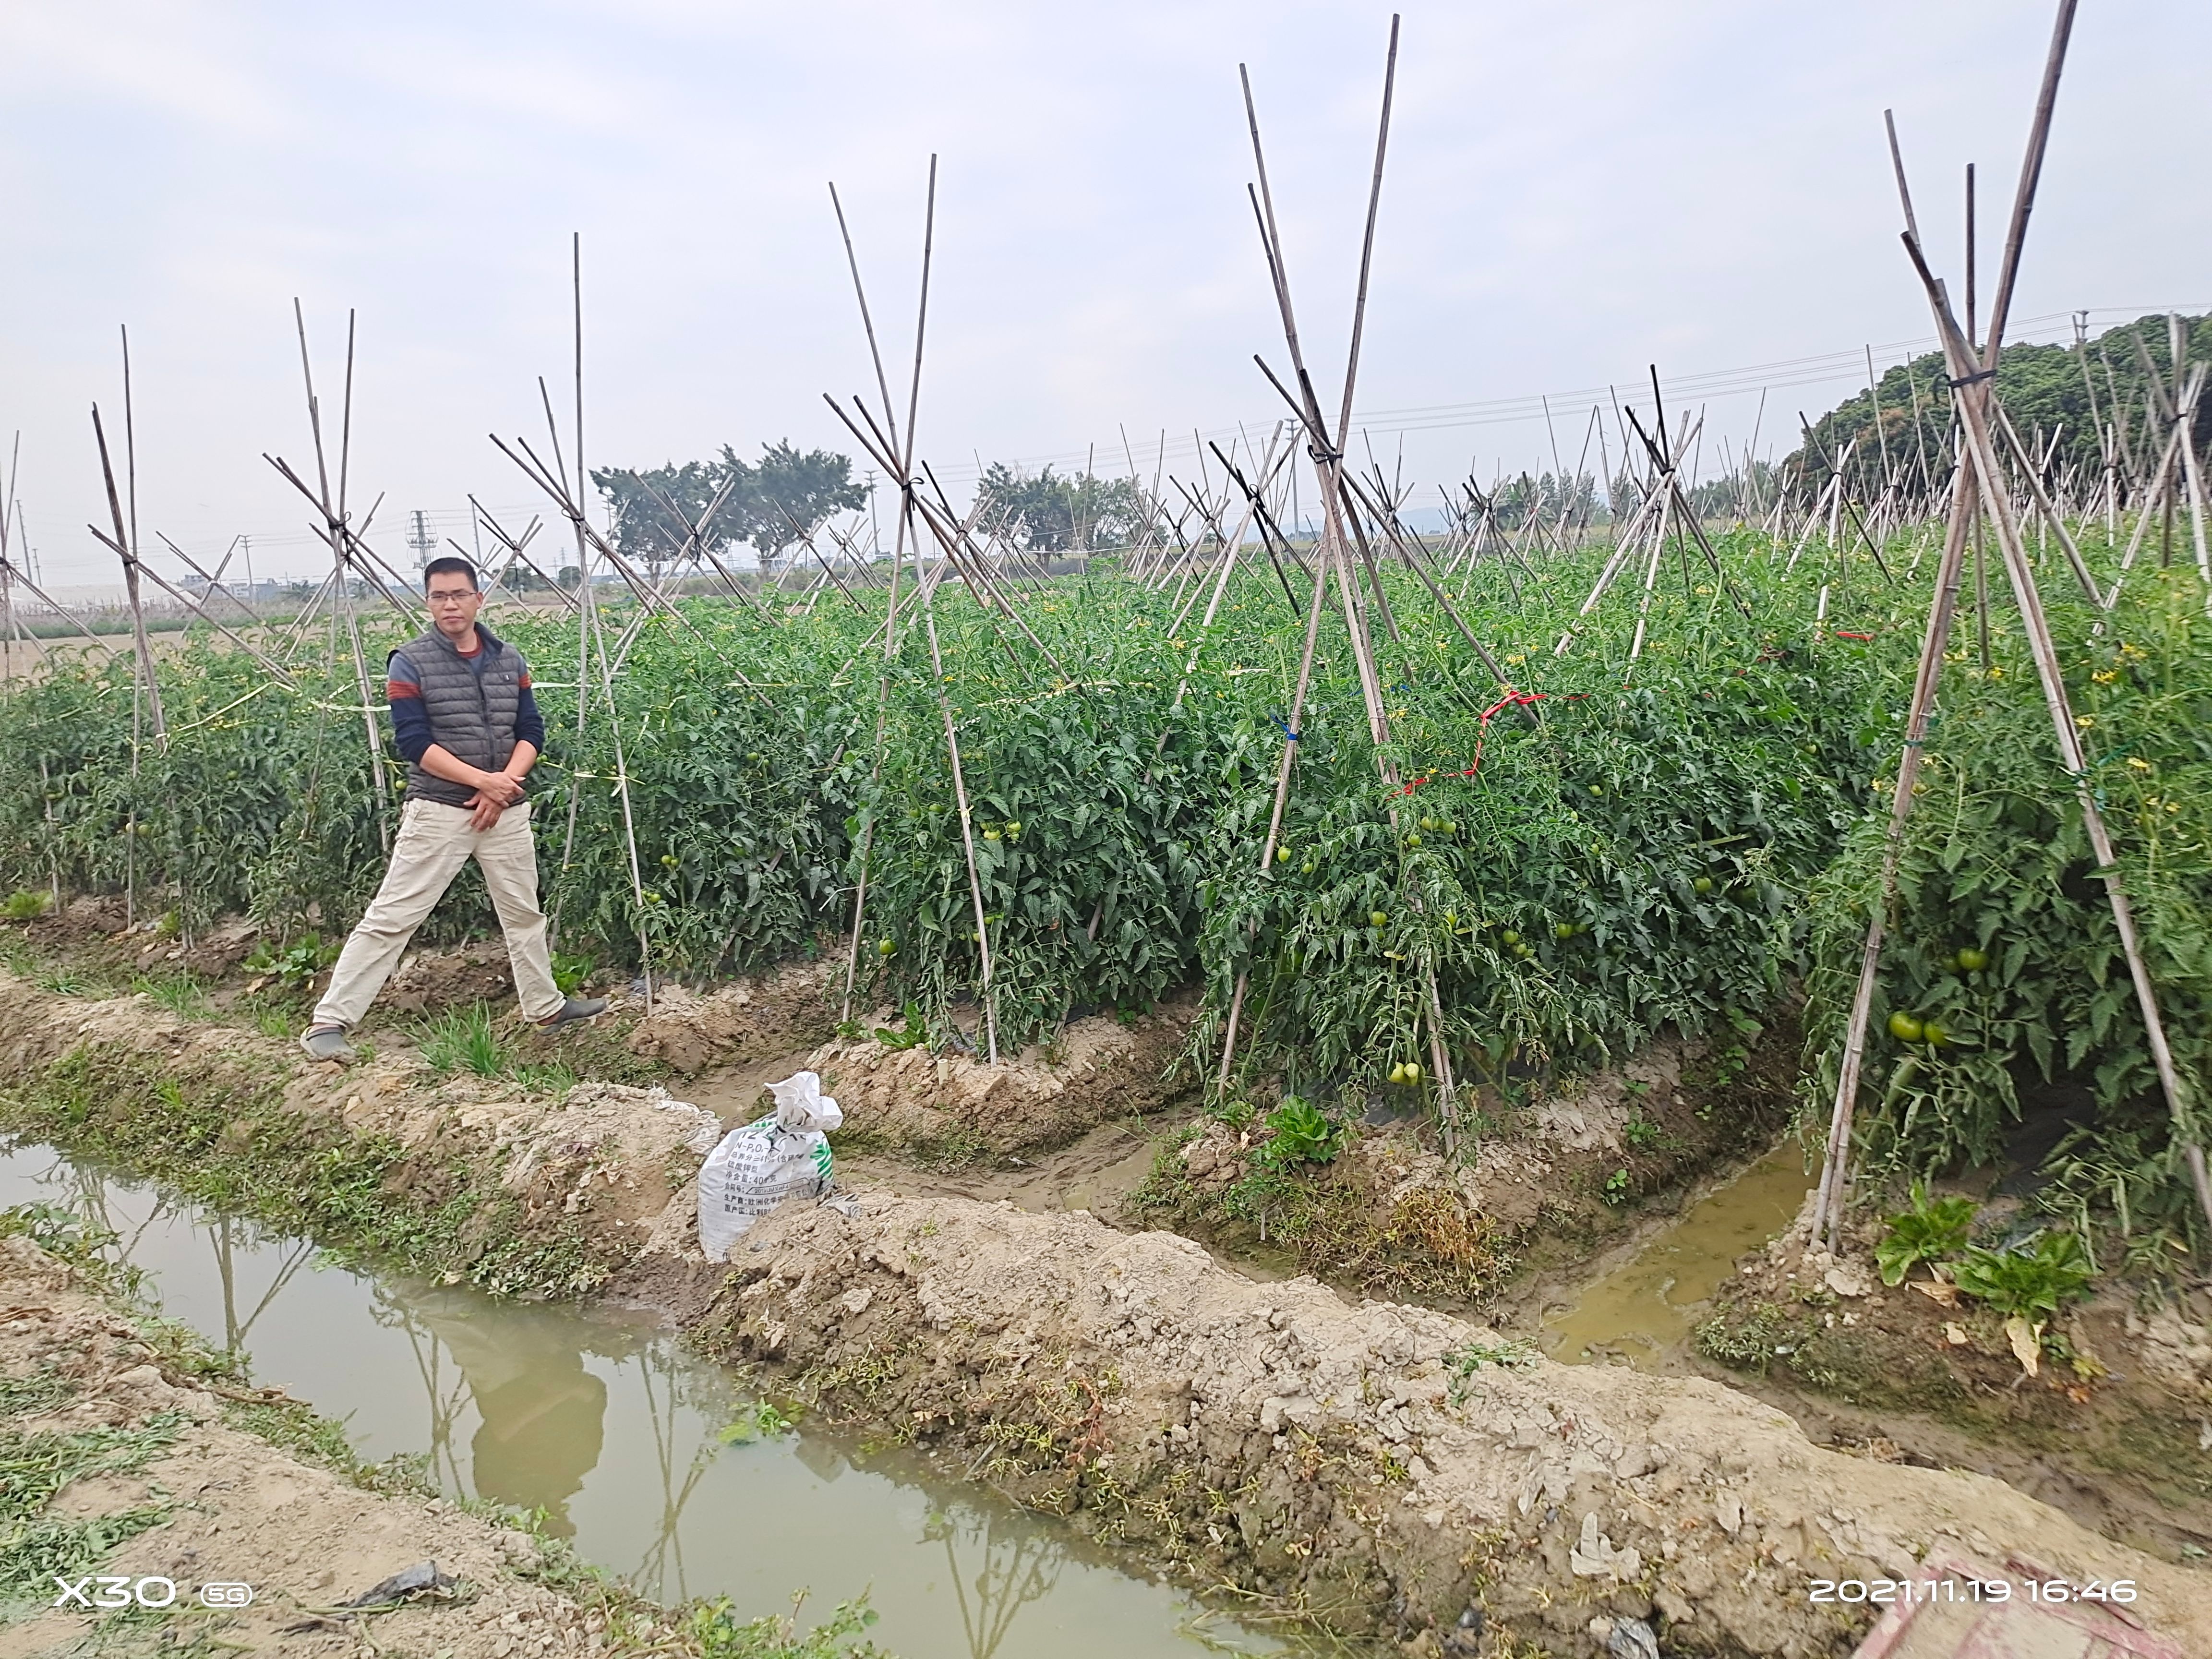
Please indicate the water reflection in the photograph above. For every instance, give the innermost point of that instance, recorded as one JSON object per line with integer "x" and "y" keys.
{"x": 614, "y": 1435}
{"x": 540, "y": 1415}
{"x": 1015, "y": 1572}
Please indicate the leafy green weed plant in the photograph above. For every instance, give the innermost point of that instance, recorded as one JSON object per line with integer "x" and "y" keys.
{"x": 1927, "y": 1230}
{"x": 2032, "y": 1283}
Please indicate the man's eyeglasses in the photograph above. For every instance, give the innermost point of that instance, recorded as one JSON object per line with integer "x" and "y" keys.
{"x": 462, "y": 597}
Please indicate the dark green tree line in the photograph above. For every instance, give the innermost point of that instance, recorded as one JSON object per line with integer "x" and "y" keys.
{"x": 771, "y": 505}
{"x": 2051, "y": 389}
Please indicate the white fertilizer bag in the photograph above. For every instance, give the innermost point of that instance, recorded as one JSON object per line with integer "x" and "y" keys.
{"x": 783, "y": 1155}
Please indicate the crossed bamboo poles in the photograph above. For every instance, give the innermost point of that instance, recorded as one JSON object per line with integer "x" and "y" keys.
{"x": 1325, "y": 448}
{"x": 1979, "y": 491}
{"x": 1983, "y": 435}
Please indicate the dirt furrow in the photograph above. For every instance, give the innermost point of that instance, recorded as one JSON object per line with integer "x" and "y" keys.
{"x": 1381, "y": 1467}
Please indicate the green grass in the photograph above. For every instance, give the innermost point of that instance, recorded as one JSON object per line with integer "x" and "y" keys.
{"x": 438, "y": 1215}
{"x": 276, "y": 1022}
{"x": 35, "y": 1547}
{"x": 24, "y": 904}
{"x": 464, "y": 1040}
{"x": 719, "y": 1632}
{"x": 553, "y": 1079}
{"x": 179, "y": 993}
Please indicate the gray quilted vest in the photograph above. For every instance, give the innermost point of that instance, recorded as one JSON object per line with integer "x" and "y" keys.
{"x": 471, "y": 711}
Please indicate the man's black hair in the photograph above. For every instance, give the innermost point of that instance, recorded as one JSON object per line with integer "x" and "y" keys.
{"x": 448, "y": 566}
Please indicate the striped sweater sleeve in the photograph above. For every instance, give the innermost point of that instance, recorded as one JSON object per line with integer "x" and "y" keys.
{"x": 529, "y": 724}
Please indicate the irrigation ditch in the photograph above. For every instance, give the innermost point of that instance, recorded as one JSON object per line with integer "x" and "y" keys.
{"x": 1282, "y": 988}
{"x": 138, "y": 1452}
{"x": 1388, "y": 1471}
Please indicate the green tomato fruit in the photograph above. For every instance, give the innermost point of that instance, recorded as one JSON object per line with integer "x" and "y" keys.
{"x": 1702, "y": 885}
{"x": 887, "y": 947}
{"x": 1413, "y": 1071}
{"x": 1596, "y": 790}
{"x": 1397, "y": 1072}
{"x": 1428, "y": 823}
{"x": 1377, "y": 918}
{"x": 1306, "y": 868}
{"x": 1563, "y": 930}
{"x": 1282, "y": 855}
{"x": 1933, "y": 1033}
{"x": 1523, "y": 952}
{"x": 1412, "y": 840}
{"x": 1904, "y": 1027}
{"x": 1971, "y": 961}
{"x": 1510, "y": 937}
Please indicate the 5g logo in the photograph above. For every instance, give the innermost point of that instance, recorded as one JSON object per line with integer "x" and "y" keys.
{"x": 149, "y": 1592}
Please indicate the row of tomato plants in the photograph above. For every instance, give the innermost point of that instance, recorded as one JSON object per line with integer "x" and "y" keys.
{"x": 1678, "y": 840}
{"x": 1649, "y": 841}
{"x": 2005, "y": 993}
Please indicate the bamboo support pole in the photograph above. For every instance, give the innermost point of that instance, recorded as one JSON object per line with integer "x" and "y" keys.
{"x": 339, "y": 536}
{"x": 1327, "y": 450}
{"x": 2051, "y": 513}
{"x": 145, "y": 687}
{"x": 967, "y": 834}
{"x": 1292, "y": 730}
{"x": 2068, "y": 736}
{"x": 282, "y": 675}
{"x": 1971, "y": 380}
{"x": 903, "y": 534}
{"x": 121, "y": 544}
{"x": 1828, "y": 1202}
{"x": 1651, "y": 573}
{"x": 2185, "y": 424}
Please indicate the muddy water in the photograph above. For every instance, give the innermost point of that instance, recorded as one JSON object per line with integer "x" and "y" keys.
{"x": 646, "y": 1458}
{"x": 1642, "y": 1309}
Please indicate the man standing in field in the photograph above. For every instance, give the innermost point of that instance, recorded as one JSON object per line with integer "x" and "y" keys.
{"x": 463, "y": 715}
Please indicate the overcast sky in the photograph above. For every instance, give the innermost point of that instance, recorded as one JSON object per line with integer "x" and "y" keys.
{"x": 1574, "y": 191}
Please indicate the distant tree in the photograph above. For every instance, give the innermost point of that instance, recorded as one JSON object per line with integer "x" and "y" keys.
{"x": 644, "y": 530}
{"x": 785, "y": 496}
{"x": 1050, "y": 515}
{"x": 1733, "y": 495}
{"x": 772, "y": 504}
{"x": 1548, "y": 498}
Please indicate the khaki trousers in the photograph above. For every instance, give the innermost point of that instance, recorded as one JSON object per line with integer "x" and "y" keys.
{"x": 435, "y": 841}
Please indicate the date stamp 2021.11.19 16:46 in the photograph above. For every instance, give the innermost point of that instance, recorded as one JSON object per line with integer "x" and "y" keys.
{"x": 1964, "y": 1610}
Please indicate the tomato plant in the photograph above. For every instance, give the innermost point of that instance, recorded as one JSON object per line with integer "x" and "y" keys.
{"x": 2002, "y": 942}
